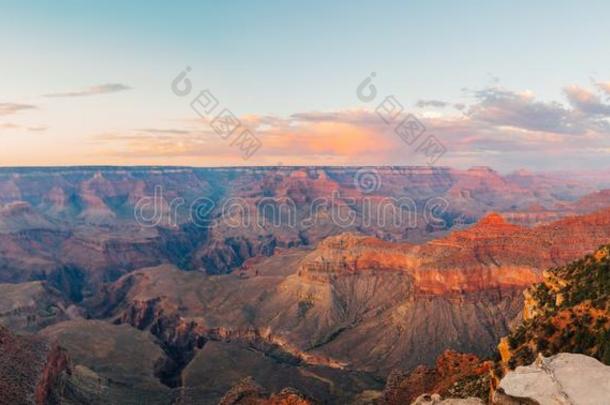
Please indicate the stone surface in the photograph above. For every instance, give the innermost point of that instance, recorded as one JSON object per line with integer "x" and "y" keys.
{"x": 436, "y": 399}
{"x": 566, "y": 378}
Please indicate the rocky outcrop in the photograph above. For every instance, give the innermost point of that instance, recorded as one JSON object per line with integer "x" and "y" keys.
{"x": 29, "y": 307}
{"x": 57, "y": 365}
{"x": 569, "y": 311}
{"x": 247, "y": 392}
{"x": 570, "y": 379}
{"x": 562, "y": 379}
{"x": 20, "y": 215}
{"x": 220, "y": 257}
{"x": 112, "y": 364}
{"x": 456, "y": 375}
{"x": 30, "y": 368}
{"x": 348, "y": 254}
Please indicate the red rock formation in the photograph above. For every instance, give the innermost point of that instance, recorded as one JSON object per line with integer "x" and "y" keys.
{"x": 29, "y": 369}
{"x": 455, "y": 375}
{"x": 491, "y": 254}
{"x": 247, "y": 392}
{"x": 57, "y": 363}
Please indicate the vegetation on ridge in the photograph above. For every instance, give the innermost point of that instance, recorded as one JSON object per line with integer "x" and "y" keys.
{"x": 568, "y": 312}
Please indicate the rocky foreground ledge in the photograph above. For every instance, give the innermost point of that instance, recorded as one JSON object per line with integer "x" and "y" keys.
{"x": 563, "y": 379}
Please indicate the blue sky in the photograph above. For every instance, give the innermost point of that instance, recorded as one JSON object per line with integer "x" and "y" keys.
{"x": 276, "y": 59}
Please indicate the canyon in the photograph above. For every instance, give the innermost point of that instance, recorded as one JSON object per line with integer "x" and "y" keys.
{"x": 165, "y": 284}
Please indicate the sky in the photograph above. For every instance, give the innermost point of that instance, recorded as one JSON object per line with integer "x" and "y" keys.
{"x": 509, "y": 85}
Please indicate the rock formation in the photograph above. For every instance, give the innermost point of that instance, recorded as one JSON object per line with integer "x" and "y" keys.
{"x": 30, "y": 369}
{"x": 569, "y": 311}
{"x": 563, "y": 379}
{"x": 245, "y": 390}
{"x": 455, "y": 375}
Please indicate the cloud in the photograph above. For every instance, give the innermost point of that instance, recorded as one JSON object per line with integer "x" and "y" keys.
{"x": 586, "y": 101}
{"x": 10, "y": 125}
{"x": 431, "y": 103}
{"x": 354, "y": 117}
{"x": 12, "y": 108}
{"x": 164, "y": 131}
{"x": 604, "y": 86}
{"x": 93, "y": 90}
{"x": 503, "y": 107}
{"x": 339, "y": 137}
{"x": 497, "y": 127}
{"x": 39, "y": 128}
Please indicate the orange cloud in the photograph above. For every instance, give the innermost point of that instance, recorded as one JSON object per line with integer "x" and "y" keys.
{"x": 329, "y": 138}
{"x": 287, "y": 140}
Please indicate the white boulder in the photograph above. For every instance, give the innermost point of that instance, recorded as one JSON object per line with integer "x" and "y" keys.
{"x": 563, "y": 379}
